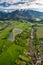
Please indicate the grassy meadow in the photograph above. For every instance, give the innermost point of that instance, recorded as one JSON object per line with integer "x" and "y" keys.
{"x": 11, "y": 52}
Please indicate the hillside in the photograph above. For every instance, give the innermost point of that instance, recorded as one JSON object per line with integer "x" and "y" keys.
{"x": 24, "y": 14}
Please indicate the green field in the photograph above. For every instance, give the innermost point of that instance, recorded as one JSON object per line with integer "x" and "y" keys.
{"x": 11, "y": 50}
{"x": 39, "y": 32}
{"x": 16, "y": 52}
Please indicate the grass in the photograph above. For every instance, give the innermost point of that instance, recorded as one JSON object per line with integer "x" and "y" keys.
{"x": 10, "y": 55}
{"x": 9, "y": 51}
{"x": 22, "y": 57}
{"x": 39, "y": 32}
{"x": 23, "y": 25}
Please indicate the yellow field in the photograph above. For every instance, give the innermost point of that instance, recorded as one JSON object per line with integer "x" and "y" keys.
{"x": 39, "y": 32}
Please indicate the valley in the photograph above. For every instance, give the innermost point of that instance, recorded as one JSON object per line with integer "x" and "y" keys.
{"x": 21, "y": 32}
{"x": 26, "y": 47}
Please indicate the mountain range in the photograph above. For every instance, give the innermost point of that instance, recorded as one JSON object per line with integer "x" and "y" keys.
{"x": 26, "y": 9}
{"x": 24, "y": 14}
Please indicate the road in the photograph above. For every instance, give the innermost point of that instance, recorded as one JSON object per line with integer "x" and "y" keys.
{"x": 35, "y": 56}
{"x": 31, "y": 45}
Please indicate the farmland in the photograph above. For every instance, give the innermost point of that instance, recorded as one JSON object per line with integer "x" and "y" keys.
{"x": 11, "y": 50}
{"x": 17, "y": 52}
{"x": 39, "y": 32}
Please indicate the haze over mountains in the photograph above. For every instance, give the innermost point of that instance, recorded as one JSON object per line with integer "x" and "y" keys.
{"x": 21, "y": 14}
{"x": 21, "y": 9}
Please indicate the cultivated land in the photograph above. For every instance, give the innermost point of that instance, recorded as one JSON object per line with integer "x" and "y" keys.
{"x": 17, "y": 52}
{"x": 39, "y": 32}
{"x": 11, "y": 50}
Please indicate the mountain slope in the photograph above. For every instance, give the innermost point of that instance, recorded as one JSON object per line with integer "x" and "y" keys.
{"x": 25, "y": 14}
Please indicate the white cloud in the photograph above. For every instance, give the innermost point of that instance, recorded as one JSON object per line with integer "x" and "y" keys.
{"x": 35, "y": 5}
{"x": 39, "y": 1}
{"x": 15, "y": 0}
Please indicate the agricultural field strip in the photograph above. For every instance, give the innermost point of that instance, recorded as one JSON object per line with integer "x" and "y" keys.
{"x": 7, "y": 29}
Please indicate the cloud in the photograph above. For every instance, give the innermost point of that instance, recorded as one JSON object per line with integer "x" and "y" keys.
{"x": 36, "y": 5}
{"x": 11, "y": 1}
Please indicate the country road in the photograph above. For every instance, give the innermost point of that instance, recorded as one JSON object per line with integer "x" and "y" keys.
{"x": 36, "y": 57}
{"x": 31, "y": 45}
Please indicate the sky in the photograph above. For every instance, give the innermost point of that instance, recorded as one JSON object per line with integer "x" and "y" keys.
{"x": 36, "y": 5}
{"x": 14, "y": 0}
